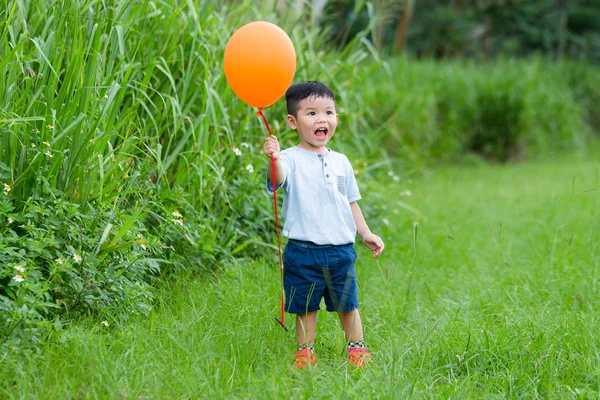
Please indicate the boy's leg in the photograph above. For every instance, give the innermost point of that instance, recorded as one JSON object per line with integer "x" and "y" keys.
{"x": 352, "y": 325}
{"x": 358, "y": 354}
{"x": 306, "y": 326}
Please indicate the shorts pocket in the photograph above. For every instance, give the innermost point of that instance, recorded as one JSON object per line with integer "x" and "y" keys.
{"x": 292, "y": 254}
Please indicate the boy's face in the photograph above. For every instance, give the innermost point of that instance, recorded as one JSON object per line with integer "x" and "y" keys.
{"x": 315, "y": 122}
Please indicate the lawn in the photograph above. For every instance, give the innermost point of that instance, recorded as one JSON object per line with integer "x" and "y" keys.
{"x": 488, "y": 288}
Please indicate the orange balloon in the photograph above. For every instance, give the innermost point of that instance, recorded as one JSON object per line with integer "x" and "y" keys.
{"x": 260, "y": 62}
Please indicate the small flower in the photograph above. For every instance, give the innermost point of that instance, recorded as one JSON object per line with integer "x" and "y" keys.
{"x": 33, "y": 145}
{"x": 37, "y": 130}
{"x": 172, "y": 247}
{"x": 106, "y": 96}
{"x": 77, "y": 258}
{"x": 356, "y": 172}
{"x": 176, "y": 214}
{"x": 178, "y": 221}
{"x": 10, "y": 220}
{"x": 140, "y": 236}
{"x": 406, "y": 193}
{"x": 385, "y": 221}
{"x": 50, "y": 126}
{"x": 237, "y": 151}
{"x": 20, "y": 268}
{"x": 105, "y": 323}
{"x": 49, "y": 154}
{"x": 7, "y": 188}
{"x": 60, "y": 261}
{"x": 46, "y": 143}
{"x": 18, "y": 278}
{"x": 246, "y": 145}
{"x": 390, "y": 173}
{"x": 92, "y": 141}
{"x": 396, "y": 178}
{"x": 250, "y": 168}
{"x": 143, "y": 246}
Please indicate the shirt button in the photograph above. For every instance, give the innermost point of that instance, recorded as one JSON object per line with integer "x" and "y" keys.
{"x": 325, "y": 164}
{"x": 327, "y": 176}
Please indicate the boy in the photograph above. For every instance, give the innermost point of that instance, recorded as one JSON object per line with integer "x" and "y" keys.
{"x": 322, "y": 218}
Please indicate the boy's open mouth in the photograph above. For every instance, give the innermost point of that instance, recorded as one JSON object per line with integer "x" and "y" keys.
{"x": 321, "y": 133}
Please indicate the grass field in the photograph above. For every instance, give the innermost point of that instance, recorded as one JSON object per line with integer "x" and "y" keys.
{"x": 493, "y": 293}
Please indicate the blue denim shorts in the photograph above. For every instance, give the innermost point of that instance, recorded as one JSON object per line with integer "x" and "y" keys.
{"x": 312, "y": 272}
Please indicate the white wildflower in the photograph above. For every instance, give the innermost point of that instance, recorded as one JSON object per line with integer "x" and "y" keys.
{"x": 18, "y": 278}
{"x": 246, "y": 145}
{"x": 250, "y": 168}
{"x": 237, "y": 151}
{"x": 20, "y": 268}
{"x": 178, "y": 221}
{"x": 105, "y": 323}
{"x": 176, "y": 214}
{"x": 77, "y": 258}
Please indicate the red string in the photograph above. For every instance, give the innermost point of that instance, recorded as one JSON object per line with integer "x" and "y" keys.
{"x": 274, "y": 180}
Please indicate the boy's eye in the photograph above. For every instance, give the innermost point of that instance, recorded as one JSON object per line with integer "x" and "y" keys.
{"x": 312, "y": 113}
{"x": 329, "y": 113}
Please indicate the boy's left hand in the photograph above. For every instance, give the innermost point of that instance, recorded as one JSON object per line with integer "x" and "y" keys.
{"x": 374, "y": 243}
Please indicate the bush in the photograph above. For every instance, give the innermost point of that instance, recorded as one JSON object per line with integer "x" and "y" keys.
{"x": 507, "y": 110}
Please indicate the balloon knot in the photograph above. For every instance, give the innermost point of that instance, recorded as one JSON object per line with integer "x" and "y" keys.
{"x": 259, "y": 113}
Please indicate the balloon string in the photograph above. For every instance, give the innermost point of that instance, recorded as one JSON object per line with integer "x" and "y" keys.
{"x": 274, "y": 180}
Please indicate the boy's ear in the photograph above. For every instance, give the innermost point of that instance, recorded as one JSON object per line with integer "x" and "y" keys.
{"x": 291, "y": 120}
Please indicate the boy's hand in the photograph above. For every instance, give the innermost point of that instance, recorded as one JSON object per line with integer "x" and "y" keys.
{"x": 374, "y": 243}
{"x": 271, "y": 147}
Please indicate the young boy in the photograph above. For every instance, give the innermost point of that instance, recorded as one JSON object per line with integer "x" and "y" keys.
{"x": 322, "y": 218}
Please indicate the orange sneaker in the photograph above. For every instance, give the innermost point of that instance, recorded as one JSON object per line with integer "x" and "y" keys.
{"x": 359, "y": 356}
{"x": 305, "y": 358}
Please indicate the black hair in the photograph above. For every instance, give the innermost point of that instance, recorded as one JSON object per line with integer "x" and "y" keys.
{"x": 304, "y": 90}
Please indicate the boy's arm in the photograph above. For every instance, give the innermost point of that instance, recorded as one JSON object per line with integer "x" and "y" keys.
{"x": 279, "y": 174}
{"x": 371, "y": 240}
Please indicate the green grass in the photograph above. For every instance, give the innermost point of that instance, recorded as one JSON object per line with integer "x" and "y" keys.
{"x": 488, "y": 289}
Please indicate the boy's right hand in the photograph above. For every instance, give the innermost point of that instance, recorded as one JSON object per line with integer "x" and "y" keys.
{"x": 271, "y": 147}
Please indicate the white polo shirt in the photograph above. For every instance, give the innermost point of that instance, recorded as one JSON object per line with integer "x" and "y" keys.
{"x": 318, "y": 191}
